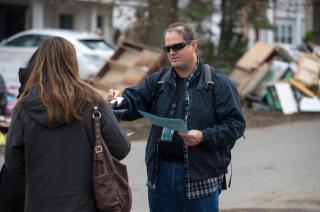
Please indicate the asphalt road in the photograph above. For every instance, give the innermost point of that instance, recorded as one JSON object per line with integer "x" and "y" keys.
{"x": 274, "y": 169}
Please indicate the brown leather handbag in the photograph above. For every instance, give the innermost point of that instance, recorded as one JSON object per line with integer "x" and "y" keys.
{"x": 110, "y": 177}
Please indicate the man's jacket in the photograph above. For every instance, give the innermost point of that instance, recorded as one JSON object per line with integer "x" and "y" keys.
{"x": 3, "y": 96}
{"x": 216, "y": 112}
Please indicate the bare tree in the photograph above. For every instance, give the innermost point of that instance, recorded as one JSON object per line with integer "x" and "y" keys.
{"x": 257, "y": 15}
{"x": 153, "y": 20}
{"x": 237, "y": 17}
{"x": 161, "y": 14}
{"x": 316, "y": 21}
{"x": 231, "y": 42}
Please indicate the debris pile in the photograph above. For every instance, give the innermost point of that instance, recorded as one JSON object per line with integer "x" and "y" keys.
{"x": 130, "y": 63}
{"x": 276, "y": 77}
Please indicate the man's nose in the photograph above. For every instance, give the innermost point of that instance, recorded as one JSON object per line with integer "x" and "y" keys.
{"x": 171, "y": 51}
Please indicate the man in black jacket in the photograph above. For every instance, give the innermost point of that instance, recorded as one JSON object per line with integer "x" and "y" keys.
{"x": 12, "y": 187}
{"x": 186, "y": 170}
{"x": 3, "y": 96}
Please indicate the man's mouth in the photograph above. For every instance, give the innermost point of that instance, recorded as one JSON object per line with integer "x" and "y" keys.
{"x": 174, "y": 58}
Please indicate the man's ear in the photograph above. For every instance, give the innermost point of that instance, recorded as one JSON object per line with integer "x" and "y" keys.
{"x": 194, "y": 45}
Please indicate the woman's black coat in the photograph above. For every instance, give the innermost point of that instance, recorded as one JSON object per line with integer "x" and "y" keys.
{"x": 56, "y": 158}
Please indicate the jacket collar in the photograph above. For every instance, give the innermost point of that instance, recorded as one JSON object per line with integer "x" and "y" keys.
{"x": 171, "y": 75}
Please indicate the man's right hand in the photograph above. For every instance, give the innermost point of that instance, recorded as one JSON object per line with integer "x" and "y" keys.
{"x": 112, "y": 95}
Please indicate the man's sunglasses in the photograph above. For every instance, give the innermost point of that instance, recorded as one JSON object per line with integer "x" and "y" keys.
{"x": 176, "y": 47}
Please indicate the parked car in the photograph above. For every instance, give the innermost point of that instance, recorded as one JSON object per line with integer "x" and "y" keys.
{"x": 92, "y": 51}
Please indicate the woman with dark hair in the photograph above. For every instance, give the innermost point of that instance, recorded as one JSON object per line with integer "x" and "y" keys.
{"x": 51, "y": 136}
{"x": 24, "y": 73}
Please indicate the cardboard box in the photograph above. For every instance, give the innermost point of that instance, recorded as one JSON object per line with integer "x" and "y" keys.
{"x": 308, "y": 69}
{"x": 246, "y": 82}
{"x": 256, "y": 56}
{"x": 130, "y": 64}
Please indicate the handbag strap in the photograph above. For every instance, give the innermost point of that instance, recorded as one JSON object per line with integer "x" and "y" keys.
{"x": 100, "y": 148}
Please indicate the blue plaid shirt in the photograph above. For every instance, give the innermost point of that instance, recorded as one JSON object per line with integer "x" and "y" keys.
{"x": 195, "y": 188}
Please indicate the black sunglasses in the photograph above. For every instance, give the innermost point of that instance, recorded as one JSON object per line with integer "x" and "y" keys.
{"x": 176, "y": 47}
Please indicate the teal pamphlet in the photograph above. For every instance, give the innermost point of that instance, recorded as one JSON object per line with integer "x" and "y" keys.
{"x": 174, "y": 124}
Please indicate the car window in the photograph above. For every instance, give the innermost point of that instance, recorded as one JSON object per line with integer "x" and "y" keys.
{"x": 27, "y": 40}
{"x": 39, "y": 39}
{"x": 96, "y": 44}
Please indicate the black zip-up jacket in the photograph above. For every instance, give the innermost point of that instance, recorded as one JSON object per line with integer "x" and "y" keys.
{"x": 56, "y": 158}
{"x": 3, "y": 96}
{"x": 217, "y": 113}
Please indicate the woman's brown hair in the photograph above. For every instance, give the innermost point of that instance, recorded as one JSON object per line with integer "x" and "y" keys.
{"x": 55, "y": 74}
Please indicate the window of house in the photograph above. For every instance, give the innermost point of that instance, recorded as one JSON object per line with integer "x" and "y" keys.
{"x": 66, "y": 21}
{"x": 100, "y": 21}
{"x": 283, "y": 33}
{"x": 289, "y": 35}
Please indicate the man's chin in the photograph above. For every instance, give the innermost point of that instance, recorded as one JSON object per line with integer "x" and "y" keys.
{"x": 175, "y": 64}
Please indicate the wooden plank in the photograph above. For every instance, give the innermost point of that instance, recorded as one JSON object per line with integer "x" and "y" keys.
{"x": 301, "y": 87}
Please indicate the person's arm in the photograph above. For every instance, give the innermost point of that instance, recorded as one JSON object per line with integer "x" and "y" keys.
{"x": 115, "y": 138}
{"x": 14, "y": 152}
{"x": 136, "y": 98}
{"x": 230, "y": 119}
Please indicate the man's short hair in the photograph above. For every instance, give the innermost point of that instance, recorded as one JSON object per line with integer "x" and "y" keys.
{"x": 181, "y": 28}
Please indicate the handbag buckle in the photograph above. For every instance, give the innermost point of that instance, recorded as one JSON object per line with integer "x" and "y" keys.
{"x": 98, "y": 149}
{"x": 96, "y": 115}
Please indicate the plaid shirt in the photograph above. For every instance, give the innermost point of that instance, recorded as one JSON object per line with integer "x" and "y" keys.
{"x": 195, "y": 188}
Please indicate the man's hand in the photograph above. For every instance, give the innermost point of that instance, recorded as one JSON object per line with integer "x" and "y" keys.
{"x": 191, "y": 138}
{"x": 112, "y": 95}
{"x": 101, "y": 92}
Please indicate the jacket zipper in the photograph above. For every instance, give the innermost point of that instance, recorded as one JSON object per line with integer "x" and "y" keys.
{"x": 155, "y": 173}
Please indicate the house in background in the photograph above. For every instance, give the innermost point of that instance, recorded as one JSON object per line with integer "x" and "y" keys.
{"x": 290, "y": 19}
{"x": 81, "y": 15}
